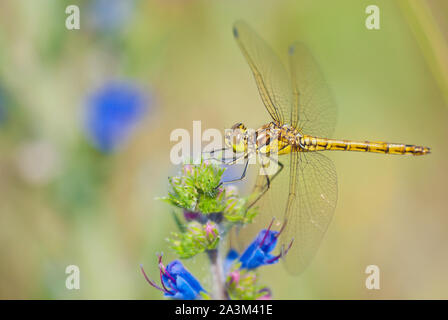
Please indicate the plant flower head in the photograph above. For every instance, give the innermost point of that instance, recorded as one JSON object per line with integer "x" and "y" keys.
{"x": 258, "y": 253}
{"x": 176, "y": 281}
{"x": 242, "y": 284}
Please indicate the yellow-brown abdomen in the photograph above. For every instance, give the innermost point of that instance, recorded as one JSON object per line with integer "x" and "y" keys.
{"x": 310, "y": 143}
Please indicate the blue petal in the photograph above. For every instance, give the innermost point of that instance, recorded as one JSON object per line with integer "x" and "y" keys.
{"x": 258, "y": 259}
{"x": 255, "y": 255}
{"x": 232, "y": 255}
{"x": 186, "y": 291}
{"x": 248, "y": 254}
{"x": 186, "y": 286}
{"x": 270, "y": 242}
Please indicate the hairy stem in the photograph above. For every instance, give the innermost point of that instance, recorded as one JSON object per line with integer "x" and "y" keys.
{"x": 219, "y": 292}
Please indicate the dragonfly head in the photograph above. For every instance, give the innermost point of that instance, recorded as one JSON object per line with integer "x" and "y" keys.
{"x": 236, "y": 138}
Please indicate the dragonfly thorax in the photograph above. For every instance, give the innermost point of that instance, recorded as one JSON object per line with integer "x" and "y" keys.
{"x": 274, "y": 137}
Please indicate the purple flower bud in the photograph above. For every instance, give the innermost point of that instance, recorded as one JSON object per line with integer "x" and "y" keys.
{"x": 191, "y": 215}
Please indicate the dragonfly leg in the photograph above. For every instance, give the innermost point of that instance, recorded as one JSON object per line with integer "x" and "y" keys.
{"x": 212, "y": 154}
{"x": 227, "y": 161}
{"x": 246, "y": 156}
{"x": 242, "y": 176}
{"x": 267, "y": 184}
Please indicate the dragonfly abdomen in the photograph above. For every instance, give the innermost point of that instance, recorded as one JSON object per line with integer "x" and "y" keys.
{"x": 310, "y": 143}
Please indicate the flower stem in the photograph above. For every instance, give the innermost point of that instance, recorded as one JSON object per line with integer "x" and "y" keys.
{"x": 218, "y": 292}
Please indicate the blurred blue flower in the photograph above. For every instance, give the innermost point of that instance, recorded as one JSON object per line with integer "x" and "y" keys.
{"x": 110, "y": 15}
{"x": 258, "y": 253}
{"x": 112, "y": 113}
{"x": 177, "y": 282}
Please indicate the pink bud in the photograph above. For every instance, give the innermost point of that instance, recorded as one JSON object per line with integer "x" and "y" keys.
{"x": 188, "y": 168}
{"x": 210, "y": 229}
{"x": 235, "y": 276}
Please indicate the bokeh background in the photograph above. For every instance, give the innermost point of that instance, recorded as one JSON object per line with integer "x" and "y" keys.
{"x": 86, "y": 116}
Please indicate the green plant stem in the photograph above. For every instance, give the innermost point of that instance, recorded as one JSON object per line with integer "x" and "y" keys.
{"x": 218, "y": 292}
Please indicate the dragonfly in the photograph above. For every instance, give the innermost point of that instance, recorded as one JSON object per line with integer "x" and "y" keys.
{"x": 303, "y": 117}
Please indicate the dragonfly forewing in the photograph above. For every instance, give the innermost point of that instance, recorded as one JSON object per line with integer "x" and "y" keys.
{"x": 314, "y": 110}
{"x": 272, "y": 79}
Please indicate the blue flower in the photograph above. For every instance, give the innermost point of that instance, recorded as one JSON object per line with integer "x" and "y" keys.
{"x": 177, "y": 282}
{"x": 110, "y": 15}
{"x": 232, "y": 255}
{"x": 258, "y": 253}
{"x": 112, "y": 113}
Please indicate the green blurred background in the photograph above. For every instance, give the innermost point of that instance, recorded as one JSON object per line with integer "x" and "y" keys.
{"x": 64, "y": 201}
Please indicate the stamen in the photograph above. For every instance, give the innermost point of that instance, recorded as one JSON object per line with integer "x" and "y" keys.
{"x": 161, "y": 280}
{"x": 152, "y": 283}
{"x": 289, "y": 247}
{"x": 282, "y": 252}
{"x": 163, "y": 272}
{"x": 266, "y": 234}
{"x": 281, "y": 230}
{"x": 274, "y": 258}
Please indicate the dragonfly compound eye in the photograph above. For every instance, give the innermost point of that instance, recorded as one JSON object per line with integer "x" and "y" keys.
{"x": 236, "y": 138}
{"x": 239, "y": 126}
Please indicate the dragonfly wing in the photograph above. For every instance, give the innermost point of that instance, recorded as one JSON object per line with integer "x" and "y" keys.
{"x": 309, "y": 208}
{"x": 313, "y": 111}
{"x": 272, "y": 80}
{"x": 271, "y": 205}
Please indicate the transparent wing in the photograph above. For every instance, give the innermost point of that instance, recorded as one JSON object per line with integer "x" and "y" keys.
{"x": 314, "y": 110}
{"x": 272, "y": 80}
{"x": 309, "y": 208}
{"x": 271, "y": 205}
{"x": 304, "y": 197}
